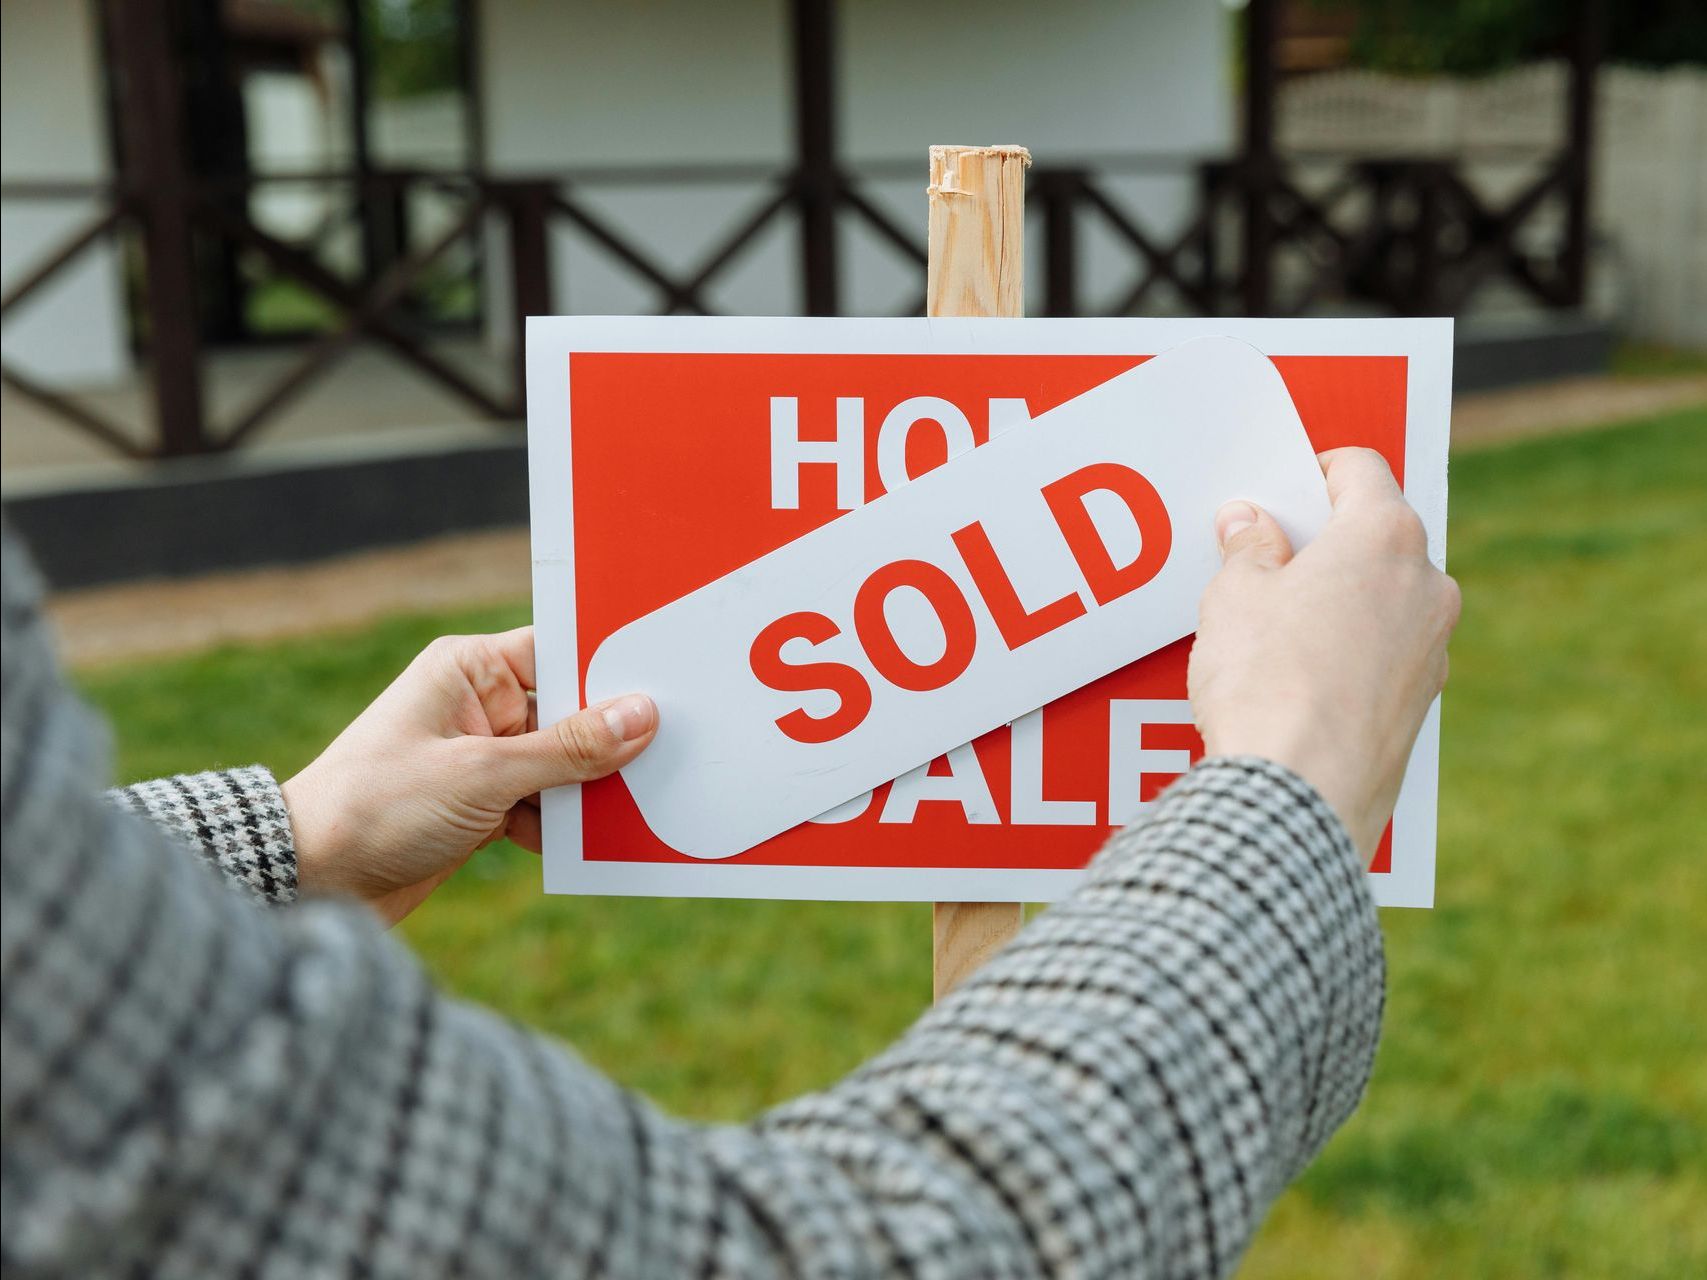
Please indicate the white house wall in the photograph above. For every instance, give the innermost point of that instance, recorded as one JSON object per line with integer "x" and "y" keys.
{"x": 656, "y": 82}
{"x": 72, "y": 332}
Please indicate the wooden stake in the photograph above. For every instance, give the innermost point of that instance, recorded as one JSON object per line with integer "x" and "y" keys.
{"x": 964, "y": 935}
{"x": 976, "y": 264}
{"x": 976, "y": 267}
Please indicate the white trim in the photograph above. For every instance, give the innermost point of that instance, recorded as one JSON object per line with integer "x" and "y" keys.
{"x": 551, "y": 508}
{"x": 794, "y": 335}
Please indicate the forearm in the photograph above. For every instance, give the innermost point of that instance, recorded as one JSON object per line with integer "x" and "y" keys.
{"x": 1119, "y": 1095}
{"x": 235, "y": 818}
{"x": 1124, "y": 1090}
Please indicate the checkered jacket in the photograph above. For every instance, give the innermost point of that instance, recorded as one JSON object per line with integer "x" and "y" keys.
{"x": 199, "y": 1084}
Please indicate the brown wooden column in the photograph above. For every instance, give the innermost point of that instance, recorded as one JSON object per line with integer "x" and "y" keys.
{"x": 1257, "y": 159}
{"x": 156, "y": 183}
{"x": 527, "y": 204}
{"x": 377, "y": 248}
{"x": 216, "y": 143}
{"x": 1057, "y": 190}
{"x": 1588, "y": 38}
{"x": 383, "y": 205}
{"x": 816, "y": 173}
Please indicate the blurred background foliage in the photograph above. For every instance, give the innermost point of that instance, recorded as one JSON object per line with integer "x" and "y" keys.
{"x": 414, "y": 46}
{"x": 1473, "y": 36}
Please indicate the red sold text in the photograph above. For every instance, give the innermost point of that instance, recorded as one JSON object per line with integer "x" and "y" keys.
{"x": 1102, "y": 576}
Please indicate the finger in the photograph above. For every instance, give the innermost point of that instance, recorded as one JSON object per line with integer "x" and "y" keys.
{"x": 523, "y": 828}
{"x": 1369, "y": 505}
{"x": 1357, "y": 476}
{"x": 578, "y": 748}
{"x": 498, "y": 668}
{"x": 516, "y": 649}
{"x": 1249, "y": 535}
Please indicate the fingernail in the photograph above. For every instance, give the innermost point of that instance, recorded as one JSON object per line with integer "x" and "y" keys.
{"x": 628, "y": 716}
{"x": 1233, "y": 519}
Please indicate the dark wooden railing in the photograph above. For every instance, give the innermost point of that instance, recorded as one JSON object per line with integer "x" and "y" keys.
{"x": 1402, "y": 236}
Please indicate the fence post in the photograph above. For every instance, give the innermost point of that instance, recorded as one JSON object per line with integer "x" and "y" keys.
{"x": 817, "y": 175}
{"x": 1261, "y": 28}
{"x": 157, "y": 186}
{"x": 1057, "y": 190}
{"x": 1587, "y": 39}
{"x": 1211, "y": 182}
{"x": 1426, "y": 232}
{"x": 527, "y": 205}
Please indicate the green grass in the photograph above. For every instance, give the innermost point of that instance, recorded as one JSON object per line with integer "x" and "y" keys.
{"x": 1540, "y": 1101}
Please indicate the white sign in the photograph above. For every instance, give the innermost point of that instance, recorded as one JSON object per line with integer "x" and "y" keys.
{"x": 851, "y": 560}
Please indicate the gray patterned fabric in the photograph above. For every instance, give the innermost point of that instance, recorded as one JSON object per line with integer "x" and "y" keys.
{"x": 197, "y": 1087}
{"x": 235, "y": 818}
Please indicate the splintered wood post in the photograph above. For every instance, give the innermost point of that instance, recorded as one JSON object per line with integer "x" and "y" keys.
{"x": 976, "y": 267}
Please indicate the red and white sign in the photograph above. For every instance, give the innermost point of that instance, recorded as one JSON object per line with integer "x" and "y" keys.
{"x": 883, "y": 677}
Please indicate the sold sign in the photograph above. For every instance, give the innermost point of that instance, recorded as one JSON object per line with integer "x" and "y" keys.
{"x": 871, "y": 570}
{"x": 1059, "y": 551}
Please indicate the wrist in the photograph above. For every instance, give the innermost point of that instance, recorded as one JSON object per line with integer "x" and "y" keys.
{"x": 315, "y": 832}
{"x": 1321, "y": 764}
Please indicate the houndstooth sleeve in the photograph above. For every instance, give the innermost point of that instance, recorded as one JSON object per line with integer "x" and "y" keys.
{"x": 196, "y": 1088}
{"x": 235, "y": 818}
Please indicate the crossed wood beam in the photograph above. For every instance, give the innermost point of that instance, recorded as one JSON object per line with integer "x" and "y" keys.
{"x": 1454, "y": 274}
{"x": 369, "y": 311}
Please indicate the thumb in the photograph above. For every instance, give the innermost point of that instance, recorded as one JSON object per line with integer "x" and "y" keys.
{"x": 1249, "y": 535}
{"x": 579, "y": 748}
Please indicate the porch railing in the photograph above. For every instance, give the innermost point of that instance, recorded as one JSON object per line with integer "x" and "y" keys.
{"x": 1402, "y": 236}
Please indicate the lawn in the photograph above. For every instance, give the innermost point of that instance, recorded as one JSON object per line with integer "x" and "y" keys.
{"x": 1540, "y": 1103}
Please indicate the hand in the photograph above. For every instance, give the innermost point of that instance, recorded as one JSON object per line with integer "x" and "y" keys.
{"x": 1327, "y": 661}
{"x": 446, "y": 760}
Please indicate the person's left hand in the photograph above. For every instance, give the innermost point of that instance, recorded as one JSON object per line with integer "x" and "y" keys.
{"x": 446, "y": 760}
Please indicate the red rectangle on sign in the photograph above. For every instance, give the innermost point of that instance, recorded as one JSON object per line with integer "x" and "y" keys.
{"x": 675, "y": 481}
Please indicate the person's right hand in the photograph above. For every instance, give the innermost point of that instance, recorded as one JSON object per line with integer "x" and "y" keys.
{"x": 1326, "y": 661}
{"x": 448, "y": 759}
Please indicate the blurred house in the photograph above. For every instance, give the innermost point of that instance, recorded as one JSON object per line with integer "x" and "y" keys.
{"x": 275, "y": 231}
{"x": 672, "y": 119}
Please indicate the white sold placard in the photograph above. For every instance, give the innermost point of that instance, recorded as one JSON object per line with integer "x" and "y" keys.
{"x": 915, "y": 597}
{"x": 885, "y": 638}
